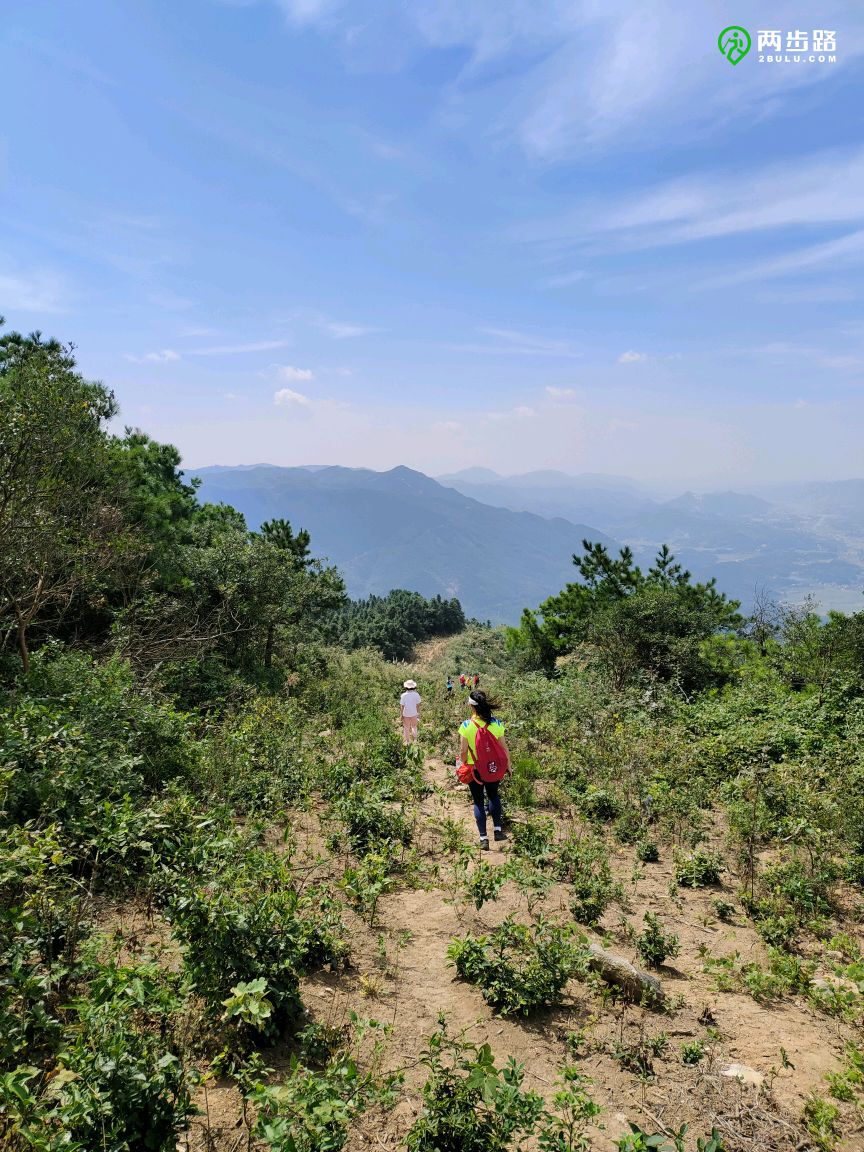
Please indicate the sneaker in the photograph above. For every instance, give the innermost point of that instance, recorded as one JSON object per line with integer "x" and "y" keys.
{"x": 484, "y": 843}
{"x": 500, "y": 834}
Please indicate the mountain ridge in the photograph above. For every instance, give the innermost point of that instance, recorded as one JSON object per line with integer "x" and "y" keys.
{"x": 500, "y": 547}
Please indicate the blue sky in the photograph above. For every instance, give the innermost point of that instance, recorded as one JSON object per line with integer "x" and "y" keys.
{"x": 444, "y": 233}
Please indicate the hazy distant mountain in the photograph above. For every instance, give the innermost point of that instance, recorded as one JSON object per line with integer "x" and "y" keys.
{"x": 836, "y": 504}
{"x": 401, "y": 529}
{"x": 793, "y": 540}
{"x": 504, "y": 543}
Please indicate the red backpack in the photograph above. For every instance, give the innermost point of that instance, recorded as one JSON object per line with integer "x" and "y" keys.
{"x": 490, "y": 758}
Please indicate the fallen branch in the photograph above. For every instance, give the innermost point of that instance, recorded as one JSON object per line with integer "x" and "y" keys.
{"x": 620, "y": 973}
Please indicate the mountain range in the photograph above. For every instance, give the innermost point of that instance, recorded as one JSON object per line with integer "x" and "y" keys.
{"x": 502, "y": 543}
{"x": 402, "y": 529}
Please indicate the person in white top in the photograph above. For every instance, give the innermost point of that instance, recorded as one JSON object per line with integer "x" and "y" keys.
{"x": 409, "y": 710}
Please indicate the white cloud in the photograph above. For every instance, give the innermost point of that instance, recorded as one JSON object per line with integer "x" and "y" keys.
{"x": 289, "y": 372}
{"x": 633, "y": 358}
{"x": 560, "y": 393}
{"x": 823, "y": 188}
{"x": 239, "y": 349}
{"x": 847, "y": 249}
{"x": 508, "y": 342}
{"x": 166, "y": 356}
{"x": 287, "y": 398}
{"x": 341, "y": 331}
{"x": 308, "y": 11}
{"x": 560, "y": 75}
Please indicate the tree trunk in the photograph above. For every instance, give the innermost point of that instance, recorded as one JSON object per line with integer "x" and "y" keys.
{"x": 24, "y": 652}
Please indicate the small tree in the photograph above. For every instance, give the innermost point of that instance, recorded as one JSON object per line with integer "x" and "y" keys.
{"x": 652, "y": 621}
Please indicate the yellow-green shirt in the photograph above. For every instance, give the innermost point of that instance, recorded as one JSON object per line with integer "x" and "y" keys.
{"x": 468, "y": 731}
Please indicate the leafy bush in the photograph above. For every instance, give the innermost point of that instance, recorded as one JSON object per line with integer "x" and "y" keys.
{"x": 371, "y": 817}
{"x": 253, "y": 924}
{"x": 698, "y": 869}
{"x": 257, "y": 759}
{"x": 469, "y": 1103}
{"x": 533, "y": 840}
{"x": 600, "y": 805}
{"x": 654, "y": 944}
{"x": 647, "y": 852}
{"x": 584, "y": 862}
{"x": 120, "y": 1080}
{"x": 485, "y": 882}
{"x": 310, "y": 1111}
{"x": 639, "y": 1140}
{"x": 519, "y": 968}
{"x": 692, "y": 1052}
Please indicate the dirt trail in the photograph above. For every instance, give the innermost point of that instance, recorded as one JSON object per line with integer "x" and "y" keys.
{"x": 400, "y": 975}
{"x": 750, "y": 1034}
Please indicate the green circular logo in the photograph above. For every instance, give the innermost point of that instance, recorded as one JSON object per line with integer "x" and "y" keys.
{"x": 734, "y": 42}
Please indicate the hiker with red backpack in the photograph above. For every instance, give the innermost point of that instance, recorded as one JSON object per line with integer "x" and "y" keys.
{"x": 483, "y": 763}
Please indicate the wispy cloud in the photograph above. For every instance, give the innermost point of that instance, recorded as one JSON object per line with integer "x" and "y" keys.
{"x": 560, "y": 393}
{"x": 288, "y": 398}
{"x": 289, "y": 372}
{"x": 308, "y": 11}
{"x": 34, "y": 292}
{"x": 165, "y": 356}
{"x": 824, "y": 188}
{"x": 847, "y": 249}
{"x": 574, "y": 73}
{"x": 342, "y": 330}
{"x": 564, "y": 280}
{"x": 509, "y": 342}
{"x": 633, "y": 358}
{"x": 239, "y": 349}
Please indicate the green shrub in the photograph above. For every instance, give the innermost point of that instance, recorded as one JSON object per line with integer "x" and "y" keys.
{"x": 371, "y": 817}
{"x": 119, "y": 1080}
{"x": 599, "y": 805}
{"x": 820, "y": 1118}
{"x": 647, "y": 852}
{"x": 310, "y": 1111}
{"x": 698, "y": 869}
{"x": 469, "y": 1103}
{"x": 584, "y": 862}
{"x": 521, "y": 784}
{"x": 533, "y": 840}
{"x": 692, "y": 1052}
{"x": 252, "y": 924}
{"x": 654, "y": 944}
{"x": 806, "y": 890}
{"x": 519, "y": 968}
{"x": 486, "y": 881}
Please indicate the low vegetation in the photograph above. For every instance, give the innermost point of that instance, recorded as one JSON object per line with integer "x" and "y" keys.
{"x": 236, "y": 912}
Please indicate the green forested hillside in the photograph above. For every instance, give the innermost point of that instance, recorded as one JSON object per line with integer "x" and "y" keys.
{"x": 235, "y": 912}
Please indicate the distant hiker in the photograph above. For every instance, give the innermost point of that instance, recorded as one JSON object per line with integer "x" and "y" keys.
{"x": 449, "y": 685}
{"x": 483, "y": 762}
{"x": 476, "y": 680}
{"x": 462, "y": 680}
{"x": 409, "y": 710}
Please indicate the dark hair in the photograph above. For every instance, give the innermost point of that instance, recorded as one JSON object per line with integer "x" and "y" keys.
{"x": 485, "y": 707}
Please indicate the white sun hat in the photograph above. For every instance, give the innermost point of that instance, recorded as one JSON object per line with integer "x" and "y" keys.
{"x": 410, "y": 684}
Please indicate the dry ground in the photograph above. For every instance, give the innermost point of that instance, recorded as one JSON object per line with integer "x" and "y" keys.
{"x": 399, "y": 974}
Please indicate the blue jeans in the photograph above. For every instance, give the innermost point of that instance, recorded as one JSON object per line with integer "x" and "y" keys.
{"x": 479, "y": 807}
